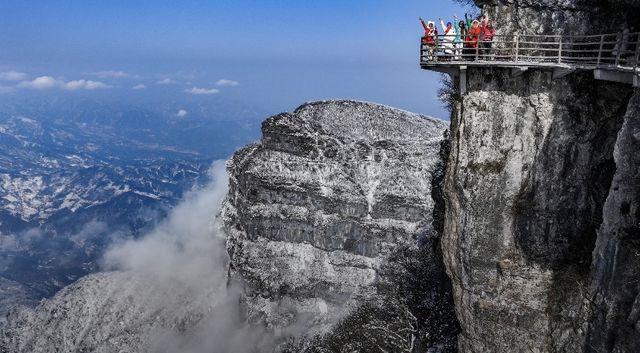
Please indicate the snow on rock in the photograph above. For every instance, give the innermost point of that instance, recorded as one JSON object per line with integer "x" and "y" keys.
{"x": 317, "y": 204}
{"x": 311, "y": 213}
{"x": 106, "y": 312}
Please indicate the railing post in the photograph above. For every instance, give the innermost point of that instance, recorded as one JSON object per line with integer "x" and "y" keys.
{"x": 560, "y": 50}
{"x": 620, "y": 44}
{"x": 477, "y": 48}
{"x": 517, "y": 46}
{"x": 637, "y": 58}
{"x": 434, "y": 49}
{"x": 600, "y": 50}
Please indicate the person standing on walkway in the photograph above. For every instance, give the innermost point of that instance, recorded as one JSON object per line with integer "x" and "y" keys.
{"x": 430, "y": 37}
{"x": 487, "y": 38}
{"x": 622, "y": 43}
{"x": 461, "y": 33}
{"x": 473, "y": 36}
{"x": 448, "y": 41}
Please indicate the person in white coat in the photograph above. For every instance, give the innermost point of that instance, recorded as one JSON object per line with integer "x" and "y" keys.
{"x": 449, "y": 38}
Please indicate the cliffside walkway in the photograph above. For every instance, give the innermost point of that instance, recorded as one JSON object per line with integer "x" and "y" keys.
{"x": 611, "y": 57}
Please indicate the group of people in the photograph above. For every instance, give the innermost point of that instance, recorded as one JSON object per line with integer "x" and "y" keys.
{"x": 460, "y": 41}
{"x": 625, "y": 43}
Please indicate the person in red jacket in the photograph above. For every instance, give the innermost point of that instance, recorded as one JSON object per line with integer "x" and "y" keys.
{"x": 487, "y": 37}
{"x": 473, "y": 36}
{"x": 430, "y": 37}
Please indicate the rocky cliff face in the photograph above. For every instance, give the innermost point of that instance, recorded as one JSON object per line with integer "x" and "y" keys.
{"x": 615, "y": 272}
{"x": 316, "y": 207}
{"x": 330, "y": 226}
{"x": 569, "y": 17}
{"x": 541, "y": 228}
{"x": 530, "y": 170}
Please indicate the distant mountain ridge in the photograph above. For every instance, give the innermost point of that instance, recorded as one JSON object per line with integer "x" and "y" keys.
{"x": 75, "y": 174}
{"x": 335, "y": 196}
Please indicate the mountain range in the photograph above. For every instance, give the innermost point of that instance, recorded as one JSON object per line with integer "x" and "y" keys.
{"x": 77, "y": 174}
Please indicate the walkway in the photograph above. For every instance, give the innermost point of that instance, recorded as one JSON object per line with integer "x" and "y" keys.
{"x": 611, "y": 57}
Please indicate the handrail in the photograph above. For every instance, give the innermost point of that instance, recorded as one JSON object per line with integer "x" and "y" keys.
{"x": 618, "y": 50}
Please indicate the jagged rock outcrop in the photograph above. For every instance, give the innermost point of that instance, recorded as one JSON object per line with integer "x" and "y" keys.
{"x": 314, "y": 208}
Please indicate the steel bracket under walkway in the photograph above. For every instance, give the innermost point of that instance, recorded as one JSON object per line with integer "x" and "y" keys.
{"x": 455, "y": 71}
{"x": 616, "y": 76}
{"x": 460, "y": 72}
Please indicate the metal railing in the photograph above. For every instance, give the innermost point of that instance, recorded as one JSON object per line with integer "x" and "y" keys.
{"x": 620, "y": 51}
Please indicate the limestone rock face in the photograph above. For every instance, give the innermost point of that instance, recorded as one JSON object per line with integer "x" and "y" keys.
{"x": 529, "y": 171}
{"x": 315, "y": 206}
{"x": 615, "y": 325}
{"x": 531, "y": 248}
{"x": 542, "y": 189}
{"x": 566, "y": 17}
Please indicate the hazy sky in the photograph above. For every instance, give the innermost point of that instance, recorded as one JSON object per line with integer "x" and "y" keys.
{"x": 273, "y": 54}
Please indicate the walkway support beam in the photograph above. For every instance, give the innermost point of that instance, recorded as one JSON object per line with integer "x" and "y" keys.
{"x": 614, "y": 76}
{"x": 463, "y": 80}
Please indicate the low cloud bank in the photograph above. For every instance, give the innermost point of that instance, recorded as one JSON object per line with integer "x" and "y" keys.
{"x": 229, "y": 83}
{"x": 48, "y": 82}
{"x": 202, "y": 91}
{"x": 166, "y": 81}
{"x": 186, "y": 254}
{"x": 13, "y": 76}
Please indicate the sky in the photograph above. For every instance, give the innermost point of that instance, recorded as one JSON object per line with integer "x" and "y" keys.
{"x": 273, "y": 54}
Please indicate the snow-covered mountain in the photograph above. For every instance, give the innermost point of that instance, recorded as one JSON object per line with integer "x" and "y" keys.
{"x": 323, "y": 218}
{"x": 74, "y": 176}
{"x": 316, "y": 207}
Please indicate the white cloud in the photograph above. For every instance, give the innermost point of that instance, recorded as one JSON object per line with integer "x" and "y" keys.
{"x": 112, "y": 74}
{"x": 84, "y": 84}
{"x": 42, "y": 82}
{"x": 138, "y": 87}
{"x": 230, "y": 83}
{"x": 182, "y": 113}
{"x": 198, "y": 90}
{"x": 166, "y": 81}
{"x": 47, "y": 82}
{"x": 13, "y": 76}
{"x": 186, "y": 254}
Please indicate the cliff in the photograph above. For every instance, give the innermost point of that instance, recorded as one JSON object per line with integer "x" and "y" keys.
{"x": 318, "y": 206}
{"x": 541, "y": 227}
{"x": 332, "y": 223}
{"x": 349, "y": 235}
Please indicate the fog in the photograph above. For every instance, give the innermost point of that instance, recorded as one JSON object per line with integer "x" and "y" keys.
{"x": 185, "y": 262}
